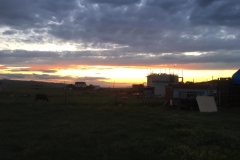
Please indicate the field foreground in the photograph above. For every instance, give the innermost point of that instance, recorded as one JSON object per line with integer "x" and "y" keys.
{"x": 103, "y": 129}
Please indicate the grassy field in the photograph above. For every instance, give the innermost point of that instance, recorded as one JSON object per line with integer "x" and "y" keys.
{"x": 93, "y": 125}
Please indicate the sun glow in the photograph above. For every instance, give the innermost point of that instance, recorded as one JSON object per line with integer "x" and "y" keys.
{"x": 107, "y": 75}
{"x": 193, "y": 53}
{"x": 117, "y": 74}
{"x": 206, "y": 75}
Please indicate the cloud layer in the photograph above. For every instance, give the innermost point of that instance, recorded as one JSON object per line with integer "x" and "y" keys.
{"x": 203, "y": 34}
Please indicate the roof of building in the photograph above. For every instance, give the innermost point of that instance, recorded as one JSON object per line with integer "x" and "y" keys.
{"x": 69, "y": 86}
{"x": 162, "y": 74}
{"x": 138, "y": 85}
{"x": 192, "y": 86}
{"x": 80, "y": 82}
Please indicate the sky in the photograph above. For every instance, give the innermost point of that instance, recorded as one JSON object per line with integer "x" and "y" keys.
{"x": 118, "y": 42}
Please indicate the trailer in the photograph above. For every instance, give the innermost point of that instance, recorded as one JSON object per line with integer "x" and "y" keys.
{"x": 184, "y": 95}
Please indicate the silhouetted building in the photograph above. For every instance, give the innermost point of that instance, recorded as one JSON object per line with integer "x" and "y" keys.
{"x": 69, "y": 87}
{"x": 138, "y": 87}
{"x": 159, "y": 81}
{"x": 229, "y": 91}
{"x": 80, "y": 84}
{"x": 184, "y": 95}
{"x": 212, "y": 83}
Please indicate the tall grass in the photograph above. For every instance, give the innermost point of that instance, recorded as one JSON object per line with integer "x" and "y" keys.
{"x": 94, "y": 125}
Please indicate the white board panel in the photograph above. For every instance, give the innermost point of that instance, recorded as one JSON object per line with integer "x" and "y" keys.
{"x": 206, "y": 104}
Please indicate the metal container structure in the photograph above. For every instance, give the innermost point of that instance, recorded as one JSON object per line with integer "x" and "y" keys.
{"x": 184, "y": 95}
{"x": 229, "y": 91}
{"x": 159, "y": 81}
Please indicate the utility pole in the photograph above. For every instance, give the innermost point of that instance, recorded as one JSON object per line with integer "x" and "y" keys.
{"x": 113, "y": 84}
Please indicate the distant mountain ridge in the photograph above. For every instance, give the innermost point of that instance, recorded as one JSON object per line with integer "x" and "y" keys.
{"x": 30, "y": 83}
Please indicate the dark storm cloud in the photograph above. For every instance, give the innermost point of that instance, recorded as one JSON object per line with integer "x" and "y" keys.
{"x": 121, "y": 59}
{"x": 94, "y": 81}
{"x": 31, "y": 70}
{"x": 204, "y": 3}
{"x": 12, "y": 76}
{"x": 33, "y": 14}
{"x": 25, "y": 54}
{"x": 170, "y": 5}
{"x": 155, "y": 27}
{"x": 116, "y": 2}
{"x": 47, "y": 76}
{"x": 218, "y": 12}
{"x": 139, "y": 28}
{"x": 33, "y": 76}
{"x": 19, "y": 70}
{"x": 9, "y": 32}
{"x": 48, "y": 71}
{"x": 93, "y": 78}
{"x": 53, "y": 78}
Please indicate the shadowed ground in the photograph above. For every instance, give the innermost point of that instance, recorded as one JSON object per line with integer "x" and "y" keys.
{"x": 93, "y": 125}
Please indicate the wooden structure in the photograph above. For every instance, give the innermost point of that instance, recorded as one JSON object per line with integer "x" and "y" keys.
{"x": 228, "y": 93}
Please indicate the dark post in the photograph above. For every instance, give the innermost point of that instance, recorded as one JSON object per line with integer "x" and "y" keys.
{"x": 65, "y": 101}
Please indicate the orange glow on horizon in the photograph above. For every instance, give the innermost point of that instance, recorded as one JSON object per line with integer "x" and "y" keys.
{"x": 107, "y": 75}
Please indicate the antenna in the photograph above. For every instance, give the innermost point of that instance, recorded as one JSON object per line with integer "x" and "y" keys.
{"x": 113, "y": 84}
{"x": 173, "y": 69}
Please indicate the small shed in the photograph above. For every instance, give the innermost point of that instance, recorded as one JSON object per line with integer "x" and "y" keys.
{"x": 80, "y": 84}
{"x": 185, "y": 94}
{"x": 138, "y": 86}
{"x": 137, "y": 89}
{"x": 229, "y": 91}
{"x": 96, "y": 87}
{"x": 69, "y": 87}
{"x": 148, "y": 92}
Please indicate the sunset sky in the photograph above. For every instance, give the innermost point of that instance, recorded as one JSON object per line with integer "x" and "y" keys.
{"x": 122, "y": 41}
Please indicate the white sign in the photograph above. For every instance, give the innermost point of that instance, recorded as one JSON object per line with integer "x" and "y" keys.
{"x": 206, "y": 104}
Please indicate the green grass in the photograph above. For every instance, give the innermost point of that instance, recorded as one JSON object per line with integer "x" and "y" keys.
{"x": 92, "y": 125}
